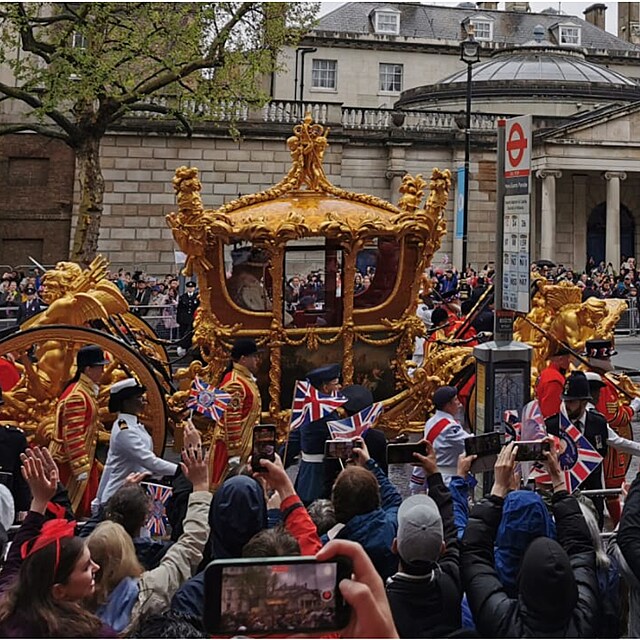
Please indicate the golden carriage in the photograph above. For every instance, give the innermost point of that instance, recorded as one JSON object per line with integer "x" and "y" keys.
{"x": 248, "y": 254}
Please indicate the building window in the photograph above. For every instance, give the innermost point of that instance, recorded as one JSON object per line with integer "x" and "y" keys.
{"x": 483, "y": 30}
{"x": 570, "y": 35}
{"x": 324, "y": 74}
{"x": 391, "y": 77}
{"x": 387, "y": 22}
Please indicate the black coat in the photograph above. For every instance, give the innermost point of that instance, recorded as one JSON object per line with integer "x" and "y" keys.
{"x": 13, "y": 442}
{"x": 499, "y": 616}
{"x": 28, "y": 309}
{"x": 430, "y": 607}
{"x": 187, "y": 306}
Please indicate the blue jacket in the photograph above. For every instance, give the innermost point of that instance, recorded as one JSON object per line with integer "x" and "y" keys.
{"x": 376, "y": 530}
{"x": 524, "y": 518}
{"x": 237, "y": 513}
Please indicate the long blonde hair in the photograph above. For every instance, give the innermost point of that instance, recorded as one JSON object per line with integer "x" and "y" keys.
{"x": 112, "y": 548}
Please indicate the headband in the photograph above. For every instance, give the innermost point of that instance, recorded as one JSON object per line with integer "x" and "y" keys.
{"x": 52, "y": 531}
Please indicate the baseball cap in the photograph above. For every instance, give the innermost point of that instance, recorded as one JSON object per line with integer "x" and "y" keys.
{"x": 443, "y": 395}
{"x": 420, "y": 531}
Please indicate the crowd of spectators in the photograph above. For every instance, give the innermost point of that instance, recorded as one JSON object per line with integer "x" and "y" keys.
{"x": 436, "y": 565}
{"x": 596, "y": 280}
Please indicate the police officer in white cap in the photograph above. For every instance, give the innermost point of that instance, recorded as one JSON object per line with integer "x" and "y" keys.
{"x": 130, "y": 445}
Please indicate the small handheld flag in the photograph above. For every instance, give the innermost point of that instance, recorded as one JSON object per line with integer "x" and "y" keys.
{"x": 157, "y": 523}
{"x": 578, "y": 459}
{"x": 309, "y": 404}
{"x": 208, "y": 400}
{"x": 358, "y": 424}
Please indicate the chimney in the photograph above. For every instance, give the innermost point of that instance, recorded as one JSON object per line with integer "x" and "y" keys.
{"x": 595, "y": 15}
{"x": 520, "y": 7}
{"x": 491, "y": 6}
{"x": 628, "y": 20}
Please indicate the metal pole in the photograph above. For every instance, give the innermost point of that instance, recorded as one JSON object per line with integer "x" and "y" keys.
{"x": 467, "y": 153}
{"x": 499, "y": 259}
{"x": 303, "y": 53}
{"x": 295, "y": 81}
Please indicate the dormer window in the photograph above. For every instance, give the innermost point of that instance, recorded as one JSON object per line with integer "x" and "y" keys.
{"x": 483, "y": 30}
{"x": 481, "y": 25}
{"x": 569, "y": 35}
{"x": 387, "y": 22}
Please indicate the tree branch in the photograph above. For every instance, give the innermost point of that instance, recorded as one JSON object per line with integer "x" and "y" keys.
{"x": 15, "y": 92}
{"x": 155, "y": 108}
{"x": 208, "y": 61}
{"x": 36, "y": 128}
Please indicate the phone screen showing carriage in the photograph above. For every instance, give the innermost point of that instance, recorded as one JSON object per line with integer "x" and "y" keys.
{"x": 264, "y": 445}
{"x": 275, "y": 595}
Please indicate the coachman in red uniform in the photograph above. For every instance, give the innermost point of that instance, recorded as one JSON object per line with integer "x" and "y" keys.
{"x": 551, "y": 383}
{"x": 73, "y": 445}
{"x": 618, "y": 415}
{"x": 232, "y": 436}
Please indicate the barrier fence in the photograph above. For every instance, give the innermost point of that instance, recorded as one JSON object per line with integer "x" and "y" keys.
{"x": 162, "y": 319}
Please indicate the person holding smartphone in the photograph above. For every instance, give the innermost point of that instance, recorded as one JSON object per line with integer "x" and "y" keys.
{"x": 557, "y": 587}
{"x": 425, "y": 594}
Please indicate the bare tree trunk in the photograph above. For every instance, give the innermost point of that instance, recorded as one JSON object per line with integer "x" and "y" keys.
{"x": 85, "y": 241}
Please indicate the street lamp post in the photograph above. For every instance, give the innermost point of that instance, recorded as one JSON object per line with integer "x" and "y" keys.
{"x": 470, "y": 54}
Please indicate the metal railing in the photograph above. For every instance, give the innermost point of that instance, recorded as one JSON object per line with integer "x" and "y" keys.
{"x": 629, "y": 321}
{"x": 161, "y": 318}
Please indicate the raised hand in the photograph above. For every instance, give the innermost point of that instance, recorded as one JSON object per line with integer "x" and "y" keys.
{"x": 195, "y": 466}
{"x": 43, "y": 483}
{"x": 503, "y": 470}
{"x": 429, "y": 462}
{"x": 371, "y": 615}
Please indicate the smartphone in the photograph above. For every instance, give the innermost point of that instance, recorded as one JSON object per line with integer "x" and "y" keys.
{"x": 403, "y": 453}
{"x": 532, "y": 450}
{"x": 487, "y": 447}
{"x": 264, "y": 445}
{"x": 486, "y": 444}
{"x": 341, "y": 448}
{"x": 275, "y": 595}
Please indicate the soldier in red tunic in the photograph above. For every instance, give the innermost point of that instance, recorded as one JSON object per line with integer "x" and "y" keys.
{"x": 232, "y": 436}
{"x": 73, "y": 445}
{"x": 551, "y": 383}
{"x": 618, "y": 415}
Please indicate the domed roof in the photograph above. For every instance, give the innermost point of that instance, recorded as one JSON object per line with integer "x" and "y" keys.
{"x": 536, "y": 70}
{"x": 542, "y": 64}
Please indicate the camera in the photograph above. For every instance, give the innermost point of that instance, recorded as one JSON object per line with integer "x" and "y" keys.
{"x": 341, "y": 448}
{"x": 264, "y": 445}
{"x": 403, "y": 453}
{"x": 275, "y": 595}
{"x": 532, "y": 450}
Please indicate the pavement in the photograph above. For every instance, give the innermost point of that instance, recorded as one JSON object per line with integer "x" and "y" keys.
{"x": 628, "y": 357}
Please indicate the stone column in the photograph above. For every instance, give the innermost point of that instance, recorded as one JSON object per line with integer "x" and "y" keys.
{"x": 580, "y": 221}
{"x": 548, "y": 213}
{"x": 612, "y": 250}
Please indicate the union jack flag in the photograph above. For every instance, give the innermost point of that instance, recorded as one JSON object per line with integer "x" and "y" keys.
{"x": 208, "y": 400}
{"x": 578, "y": 460}
{"x": 309, "y": 404}
{"x": 157, "y": 523}
{"x": 532, "y": 425}
{"x": 356, "y": 425}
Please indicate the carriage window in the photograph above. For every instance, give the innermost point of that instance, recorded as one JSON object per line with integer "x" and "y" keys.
{"x": 312, "y": 283}
{"x": 247, "y": 277}
{"x": 377, "y": 267}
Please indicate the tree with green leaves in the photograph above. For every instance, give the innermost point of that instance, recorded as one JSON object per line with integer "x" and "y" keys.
{"x": 79, "y": 68}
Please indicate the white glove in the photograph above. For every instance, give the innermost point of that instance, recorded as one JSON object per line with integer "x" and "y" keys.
{"x": 635, "y": 404}
{"x": 82, "y": 477}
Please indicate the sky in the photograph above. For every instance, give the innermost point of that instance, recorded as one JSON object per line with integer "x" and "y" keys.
{"x": 570, "y": 8}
